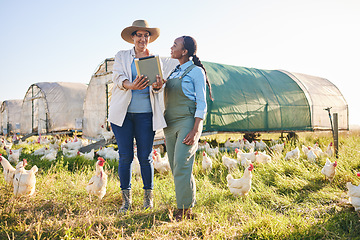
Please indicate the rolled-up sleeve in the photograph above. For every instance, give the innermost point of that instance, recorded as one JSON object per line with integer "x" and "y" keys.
{"x": 200, "y": 92}
{"x": 118, "y": 70}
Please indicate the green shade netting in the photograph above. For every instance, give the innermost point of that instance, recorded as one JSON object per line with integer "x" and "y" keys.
{"x": 249, "y": 99}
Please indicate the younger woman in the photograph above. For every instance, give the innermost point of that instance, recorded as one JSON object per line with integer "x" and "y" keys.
{"x": 185, "y": 109}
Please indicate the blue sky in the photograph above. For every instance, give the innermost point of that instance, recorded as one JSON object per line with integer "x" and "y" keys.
{"x": 66, "y": 40}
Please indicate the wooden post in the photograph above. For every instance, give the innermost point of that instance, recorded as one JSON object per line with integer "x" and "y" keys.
{"x": 336, "y": 134}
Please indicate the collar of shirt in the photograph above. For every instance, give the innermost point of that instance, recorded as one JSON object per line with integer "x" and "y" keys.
{"x": 181, "y": 68}
{"x": 185, "y": 65}
{"x": 132, "y": 52}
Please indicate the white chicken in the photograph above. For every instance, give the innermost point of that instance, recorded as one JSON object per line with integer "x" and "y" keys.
{"x": 89, "y": 155}
{"x": 55, "y": 144}
{"x": 161, "y": 165}
{"x": 293, "y": 154}
{"x": 278, "y": 148}
{"x": 329, "y": 169}
{"x": 6, "y": 144}
{"x": 158, "y": 150}
{"x": 239, "y": 144}
{"x": 108, "y": 153}
{"x": 249, "y": 146}
{"x": 262, "y": 157}
{"x": 201, "y": 146}
{"x": 230, "y": 163}
{"x": 354, "y": 195}
{"x": 7, "y": 149}
{"x": 39, "y": 152}
{"x": 107, "y": 135}
{"x": 245, "y": 162}
{"x": 8, "y": 169}
{"x": 75, "y": 144}
{"x": 136, "y": 168}
{"x": 14, "y": 155}
{"x": 241, "y": 186}
{"x": 111, "y": 154}
{"x": 70, "y": 153}
{"x": 311, "y": 156}
{"x": 250, "y": 156}
{"x": 102, "y": 151}
{"x": 211, "y": 151}
{"x": 329, "y": 151}
{"x": 317, "y": 150}
{"x": 24, "y": 180}
{"x": 305, "y": 149}
{"x": 229, "y": 144}
{"x": 238, "y": 152}
{"x": 49, "y": 155}
{"x": 44, "y": 140}
{"x": 206, "y": 162}
{"x": 260, "y": 145}
{"x": 97, "y": 184}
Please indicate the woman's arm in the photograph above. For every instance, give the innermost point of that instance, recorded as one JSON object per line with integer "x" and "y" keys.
{"x": 201, "y": 107}
{"x": 200, "y": 92}
{"x": 118, "y": 70}
{"x": 197, "y": 129}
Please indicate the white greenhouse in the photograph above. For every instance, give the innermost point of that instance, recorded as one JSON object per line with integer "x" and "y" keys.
{"x": 50, "y": 107}
{"x": 10, "y": 116}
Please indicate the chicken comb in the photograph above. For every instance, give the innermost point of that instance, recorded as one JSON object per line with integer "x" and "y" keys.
{"x": 251, "y": 167}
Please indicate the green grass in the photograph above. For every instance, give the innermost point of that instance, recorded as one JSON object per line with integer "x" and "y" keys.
{"x": 288, "y": 200}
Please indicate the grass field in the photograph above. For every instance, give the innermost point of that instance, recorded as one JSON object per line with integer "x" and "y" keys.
{"x": 288, "y": 200}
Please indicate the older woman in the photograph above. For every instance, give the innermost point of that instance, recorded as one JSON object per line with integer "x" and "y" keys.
{"x": 135, "y": 112}
{"x": 185, "y": 109}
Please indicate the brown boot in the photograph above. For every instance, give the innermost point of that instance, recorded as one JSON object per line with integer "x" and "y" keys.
{"x": 181, "y": 214}
{"x": 127, "y": 200}
{"x": 148, "y": 199}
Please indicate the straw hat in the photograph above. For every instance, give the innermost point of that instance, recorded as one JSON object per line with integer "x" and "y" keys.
{"x": 140, "y": 25}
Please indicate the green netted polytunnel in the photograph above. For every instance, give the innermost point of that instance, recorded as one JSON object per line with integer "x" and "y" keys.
{"x": 255, "y": 100}
{"x": 245, "y": 100}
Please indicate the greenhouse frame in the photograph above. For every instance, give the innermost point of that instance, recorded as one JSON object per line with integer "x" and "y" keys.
{"x": 50, "y": 107}
{"x": 10, "y": 116}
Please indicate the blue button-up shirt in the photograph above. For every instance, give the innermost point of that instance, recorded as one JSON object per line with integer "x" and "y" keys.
{"x": 193, "y": 86}
{"x": 140, "y": 99}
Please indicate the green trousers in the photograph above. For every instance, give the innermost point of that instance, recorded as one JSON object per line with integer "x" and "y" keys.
{"x": 179, "y": 116}
{"x": 181, "y": 158}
